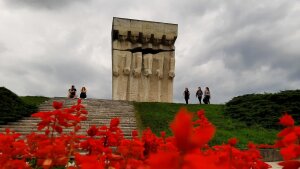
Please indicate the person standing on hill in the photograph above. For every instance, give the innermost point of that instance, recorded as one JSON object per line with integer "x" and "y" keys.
{"x": 186, "y": 95}
{"x": 83, "y": 93}
{"x": 199, "y": 94}
{"x": 206, "y": 98}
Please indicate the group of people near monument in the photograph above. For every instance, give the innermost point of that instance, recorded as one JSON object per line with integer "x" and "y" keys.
{"x": 72, "y": 93}
{"x": 199, "y": 94}
{"x": 206, "y": 99}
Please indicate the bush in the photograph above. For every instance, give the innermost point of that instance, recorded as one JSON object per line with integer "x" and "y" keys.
{"x": 12, "y": 107}
{"x": 264, "y": 109}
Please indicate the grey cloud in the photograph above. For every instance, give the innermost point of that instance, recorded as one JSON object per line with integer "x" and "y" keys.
{"x": 250, "y": 53}
{"x": 246, "y": 42}
{"x": 255, "y": 53}
{"x": 2, "y": 48}
{"x": 43, "y": 4}
{"x": 250, "y": 13}
{"x": 295, "y": 71}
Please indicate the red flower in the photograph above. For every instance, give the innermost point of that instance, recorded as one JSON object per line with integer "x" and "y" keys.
{"x": 15, "y": 164}
{"x": 202, "y": 135}
{"x": 289, "y": 152}
{"x": 134, "y": 133}
{"x": 290, "y": 138}
{"x": 201, "y": 113}
{"x": 47, "y": 132}
{"x": 114, "y": 122}
{"x": 204, "y": 130}
{"x": 58, "y": 129}
{"x": 165, "y": 160}
{"x": 92, "y": 131}
{"x": 297, "y": 130}
{"x": 266, "y": 146}
{"x": 131, "y": 148}
{"x": 286, "y": 120}
{"x": 57, "y": 105}
{"x": 151, "y": 142}
{"x": 89, "y": 162}
{"x": 182, "y": 128}
{"x": 285, "y": 132}
{"x": 232, "y": 141}
{"x": 163, "y": 134}
{"x": 199, "y": 161}
{"x": 290, "y": 164}
{"x": 189, "y": 137}
{"x": 251, "y": 145}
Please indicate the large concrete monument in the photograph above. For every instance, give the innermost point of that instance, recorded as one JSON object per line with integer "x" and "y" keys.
{"x": 143, "y": 60}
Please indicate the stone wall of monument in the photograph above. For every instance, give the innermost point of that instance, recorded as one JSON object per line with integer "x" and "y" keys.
{"x": 143, "y": 60}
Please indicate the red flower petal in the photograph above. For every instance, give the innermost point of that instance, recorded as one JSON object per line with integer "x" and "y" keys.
{"x": 286, "y": 120}
{"x": 134, "y": 133}
{"x": 232, "y": 141}
{"x": 290, "y": 164}
{"x": 79, "y": 101}
{"x": 182, "y": 129}
{"x": 163, "y": 134}
{"x": 92, "y": 131}
{"x": 290, "y": 138}
{"x": 289, "y": 152}
{"x": 57, "y": 105}
{"x": 114, "y": 122}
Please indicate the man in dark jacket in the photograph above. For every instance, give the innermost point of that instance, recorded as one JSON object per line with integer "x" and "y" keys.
{"x": 186, "y": 95}
{"x": 199, "y": 94}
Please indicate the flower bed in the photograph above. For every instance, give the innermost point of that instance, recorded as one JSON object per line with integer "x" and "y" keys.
{"x": 106, "y": 148}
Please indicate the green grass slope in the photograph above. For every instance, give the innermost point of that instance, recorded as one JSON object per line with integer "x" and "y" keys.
{"x": 34, "y": 100}
{"x": 158, "y": 117}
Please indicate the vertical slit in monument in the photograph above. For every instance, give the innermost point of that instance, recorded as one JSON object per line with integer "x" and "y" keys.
{"x": 129, "y": 36}
{"x": 115, "y": 34}
{"x": 140, "y": 38}
{"x": 163, "y": 40}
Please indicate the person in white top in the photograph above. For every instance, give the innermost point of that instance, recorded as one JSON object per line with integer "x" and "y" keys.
{"x": 206, "y": 98}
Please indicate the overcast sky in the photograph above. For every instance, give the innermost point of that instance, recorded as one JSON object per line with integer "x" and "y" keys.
{"x": 234, "y": 47}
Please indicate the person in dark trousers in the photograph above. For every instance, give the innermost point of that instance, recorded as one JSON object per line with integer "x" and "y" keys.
{"x": 186, "y": 95}
{"x": 206, "y": 98}
{"x": 72, "y": 92}
{"x": 199, "y": 94}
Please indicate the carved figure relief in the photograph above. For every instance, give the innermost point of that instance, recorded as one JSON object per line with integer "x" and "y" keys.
{"x": 138, "y": 64}
{"x": 147, "y": 64}
{"x": 121, "y": 71}
{"x": 133, "y": 92}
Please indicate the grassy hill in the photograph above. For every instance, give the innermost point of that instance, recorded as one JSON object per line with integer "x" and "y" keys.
{"x": 158, "y": 116}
